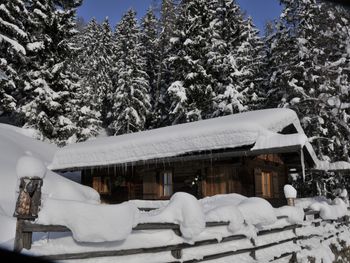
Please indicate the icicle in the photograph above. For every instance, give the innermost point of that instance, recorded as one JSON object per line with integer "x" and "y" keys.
{"x": 302, "y": 163}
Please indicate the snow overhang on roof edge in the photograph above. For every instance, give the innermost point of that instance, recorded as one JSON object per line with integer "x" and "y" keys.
{"x": 258, "y": 128}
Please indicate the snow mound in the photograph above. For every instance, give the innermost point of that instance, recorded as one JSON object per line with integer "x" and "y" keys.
{"x": 28, "y": 166}
{"x": 234, "y": 207}
{"x": 306, "y": 202}
{"x": 295, "y": 214}
{"x": 19, "y": 151}
{"x": 91, "y": 222}
{"x": 16, "y": 148}
{"x": 289, "y": 191}
{"x": 183, "y": 209}
{"x": 333, "y": 211}
{"x": 257, "y": 211}
{"x": 228, "y": 213}
{"x": 212, "y": 202}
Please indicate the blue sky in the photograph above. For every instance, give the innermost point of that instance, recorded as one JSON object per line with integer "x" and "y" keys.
{"x": 260, "y": 10}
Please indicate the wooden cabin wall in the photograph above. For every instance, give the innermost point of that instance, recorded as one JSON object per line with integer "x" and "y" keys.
{"x": 183, "y": 175}
{"x": 239, "y": 175}
{"x": 121, "y": 184}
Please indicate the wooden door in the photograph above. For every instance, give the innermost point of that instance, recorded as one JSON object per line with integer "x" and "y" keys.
{"x": 216, "y": 181}
{"x": 150, "y": 186}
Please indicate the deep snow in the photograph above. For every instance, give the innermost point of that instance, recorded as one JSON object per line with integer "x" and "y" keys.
{"x": 18, "y": 145}
{"x": 92, "y": 224}
{"x": 244, "y": 129}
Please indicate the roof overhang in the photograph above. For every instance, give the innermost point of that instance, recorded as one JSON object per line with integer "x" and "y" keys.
{"x": 244, "y": 151}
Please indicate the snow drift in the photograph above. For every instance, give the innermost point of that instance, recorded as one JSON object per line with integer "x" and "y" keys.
{"x": 18, "y": 154}
{"x": 91, "y": 222}
{"x": 183, "y": 209}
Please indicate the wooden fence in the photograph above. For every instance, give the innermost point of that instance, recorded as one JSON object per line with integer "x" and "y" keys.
{"x": 25, "y": 229}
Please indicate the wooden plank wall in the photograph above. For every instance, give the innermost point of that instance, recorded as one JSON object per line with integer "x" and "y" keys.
{"x": 235, "y": 175}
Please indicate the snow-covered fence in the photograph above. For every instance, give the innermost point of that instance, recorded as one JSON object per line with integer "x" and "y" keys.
{"x": 183, "y": 229}
{"x": 278, "y": 241}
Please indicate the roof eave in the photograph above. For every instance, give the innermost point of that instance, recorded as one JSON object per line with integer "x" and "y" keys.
{"x": 193, "y": 156}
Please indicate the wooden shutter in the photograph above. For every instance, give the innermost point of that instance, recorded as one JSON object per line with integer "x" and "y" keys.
{"x": 258, "y": 182}
{"x": 275, "y": 185}
{"x": 150, "y": 187}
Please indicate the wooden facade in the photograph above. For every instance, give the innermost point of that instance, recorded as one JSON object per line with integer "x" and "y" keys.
{"x": 263, "y": 175}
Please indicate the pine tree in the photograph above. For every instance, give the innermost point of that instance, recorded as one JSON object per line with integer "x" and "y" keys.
{"x": 186, "y": 63}
{"x": 150, "y": 51}
{"x": 168, "y": 15}
{"x": 216, "y": 54}
{"x": 93, "y": 65}
{"x": 13, "y": 42}
{"x": 308, "y": 58}
{"x": 234, "y": 59}
{"x": 50, "y": 84}
{"x": 131, "y": 102}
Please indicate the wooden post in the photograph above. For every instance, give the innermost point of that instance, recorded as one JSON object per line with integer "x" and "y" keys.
{"x": 253, "y": 252}
{"x": 177, "y": 253}
{"x": 27, "y": 208}
{"x": 291, "y": 201}
{"x": 18, "y": 246}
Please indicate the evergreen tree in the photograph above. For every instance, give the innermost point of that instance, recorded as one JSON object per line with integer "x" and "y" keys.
{"x": 216, "y": 54}
{"x": 13, "y": 42}
{"x": 131, "y": 102}
{"x": 50, "y": 84}
{"x": 168, "y": 14}
{"x": 187, "y": 61}
{"x": 94, "y": 66}
{"x": 150, "y": 51}
{"x": 308, "y": 58}
{"x": 234, "y": 59}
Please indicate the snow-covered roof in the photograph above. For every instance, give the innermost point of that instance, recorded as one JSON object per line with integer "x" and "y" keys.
{"x": 336, "y": 166}
{"x": 244, "y": 129}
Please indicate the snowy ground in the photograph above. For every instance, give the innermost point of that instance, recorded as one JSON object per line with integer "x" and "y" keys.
{"x": 99, "y": 227}
{"x": 14, "y": 144}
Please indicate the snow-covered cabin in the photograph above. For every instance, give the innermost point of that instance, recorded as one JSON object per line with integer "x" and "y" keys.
{"x": 249, "y": 153}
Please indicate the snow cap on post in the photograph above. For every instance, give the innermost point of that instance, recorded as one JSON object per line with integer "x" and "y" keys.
{"x": 290, "y": 193}
{"x": 29, "y": 166}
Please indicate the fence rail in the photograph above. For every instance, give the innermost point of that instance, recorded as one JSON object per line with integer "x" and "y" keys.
{"x": 176, "y": 250}
{"x": 26, "y": 228}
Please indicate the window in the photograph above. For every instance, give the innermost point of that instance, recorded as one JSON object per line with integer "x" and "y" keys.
{"x": 266, "y": 184}
{"x": 101, "y": 184}
{"x": 167, "y": 183}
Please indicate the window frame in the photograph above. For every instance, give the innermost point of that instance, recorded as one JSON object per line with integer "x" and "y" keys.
{"x": 167, "y": 186}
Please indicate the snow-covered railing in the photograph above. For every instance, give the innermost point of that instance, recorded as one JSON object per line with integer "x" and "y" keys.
{"x": 249, "y": 231}
{"x": 265, "y": 239}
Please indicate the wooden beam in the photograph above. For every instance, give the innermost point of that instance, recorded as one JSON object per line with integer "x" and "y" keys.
{"x": 177, "y": 247}
{"x": 29, "y": 227}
